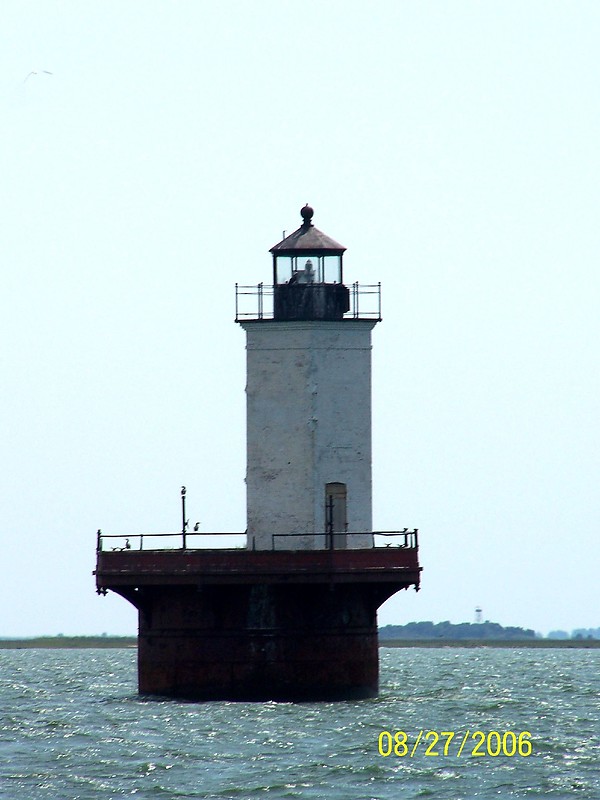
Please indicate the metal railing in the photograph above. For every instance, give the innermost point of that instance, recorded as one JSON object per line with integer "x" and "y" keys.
{"x": 141, "y": 541}
{"x": 257, "y": 305}
{"x": 256, "y": 301}
{"x": 200, "y": 541}
{"x": 358, "y": 295}
{"x": 405, "y": 539}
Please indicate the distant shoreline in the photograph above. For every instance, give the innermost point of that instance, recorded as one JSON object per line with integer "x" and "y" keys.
{"x": 516, "y": 643}
{"x": 129, "y": 642}
{"x": 68, "y": 642}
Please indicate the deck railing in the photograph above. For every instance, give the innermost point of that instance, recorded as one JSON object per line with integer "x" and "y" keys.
{"x": 191, "y": 540}
{"x": 256, "y": 302}
{"x": 405, "y": 539}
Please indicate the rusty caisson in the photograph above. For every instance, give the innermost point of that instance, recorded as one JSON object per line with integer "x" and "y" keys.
{"x": 243, "y": 625}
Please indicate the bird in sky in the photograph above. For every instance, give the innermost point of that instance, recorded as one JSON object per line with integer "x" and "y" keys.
{"x": 33, "y": 72}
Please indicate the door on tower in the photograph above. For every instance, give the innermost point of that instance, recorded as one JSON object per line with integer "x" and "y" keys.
{"x": 336, "y": 522}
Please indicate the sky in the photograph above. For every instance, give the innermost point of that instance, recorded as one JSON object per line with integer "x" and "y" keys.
{"x": 451, "y": 147}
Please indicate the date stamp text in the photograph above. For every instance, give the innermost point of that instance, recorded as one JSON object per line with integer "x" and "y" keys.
{"x": 449, "y": 743}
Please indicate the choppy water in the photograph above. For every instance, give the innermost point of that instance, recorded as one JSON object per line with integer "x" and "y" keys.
{"x": 72, "y": 727}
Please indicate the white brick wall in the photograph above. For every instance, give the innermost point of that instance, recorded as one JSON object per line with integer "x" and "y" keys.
{"x": 308, "y": 423}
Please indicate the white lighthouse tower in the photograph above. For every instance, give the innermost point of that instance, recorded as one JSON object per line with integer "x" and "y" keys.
{"x": 309, "y": 402}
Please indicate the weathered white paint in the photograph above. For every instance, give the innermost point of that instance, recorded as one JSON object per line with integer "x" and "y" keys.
{"x": 308, "y": 424}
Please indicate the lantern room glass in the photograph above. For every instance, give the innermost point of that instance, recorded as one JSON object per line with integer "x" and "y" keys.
{"x": 308, "y": 268}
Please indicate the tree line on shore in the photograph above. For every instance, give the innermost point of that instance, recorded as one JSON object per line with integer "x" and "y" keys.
{"x": 448, "y": 630}
{"x": 476, "y": 630}
{"x": 411, "y": 631}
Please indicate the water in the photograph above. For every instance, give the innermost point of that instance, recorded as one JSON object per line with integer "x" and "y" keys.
{"x": 72, "y": 727}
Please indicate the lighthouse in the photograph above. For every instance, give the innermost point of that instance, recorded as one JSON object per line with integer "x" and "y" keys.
{"x": 292, "y": 615}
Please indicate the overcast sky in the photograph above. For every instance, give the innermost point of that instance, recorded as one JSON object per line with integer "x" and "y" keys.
{"x": 453, "y": 148}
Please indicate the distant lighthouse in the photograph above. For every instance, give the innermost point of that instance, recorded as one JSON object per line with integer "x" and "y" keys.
{"x": 293, "y": 615}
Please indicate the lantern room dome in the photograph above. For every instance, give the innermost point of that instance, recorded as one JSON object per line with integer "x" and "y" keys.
{"x": 308, "y": 239}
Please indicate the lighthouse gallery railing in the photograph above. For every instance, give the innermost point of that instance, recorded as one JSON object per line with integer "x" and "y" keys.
{"x": 256, "y": 301}
{"x": 203, "y": 541}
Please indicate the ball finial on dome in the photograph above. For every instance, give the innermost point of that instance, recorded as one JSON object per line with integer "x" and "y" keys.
{"x": 307, "y": 214}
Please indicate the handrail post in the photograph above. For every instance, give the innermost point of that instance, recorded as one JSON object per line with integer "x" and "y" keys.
{"x": 99, "y": 541}
{"x": 184, "y": 521}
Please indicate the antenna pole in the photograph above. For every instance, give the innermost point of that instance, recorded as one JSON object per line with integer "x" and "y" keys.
{"x": 183, "y": 519}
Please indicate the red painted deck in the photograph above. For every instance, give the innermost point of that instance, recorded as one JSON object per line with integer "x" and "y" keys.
{"x": 179, "y": 567}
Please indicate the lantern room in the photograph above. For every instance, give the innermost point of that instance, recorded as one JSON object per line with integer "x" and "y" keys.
{"x": 308, "y": 275}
